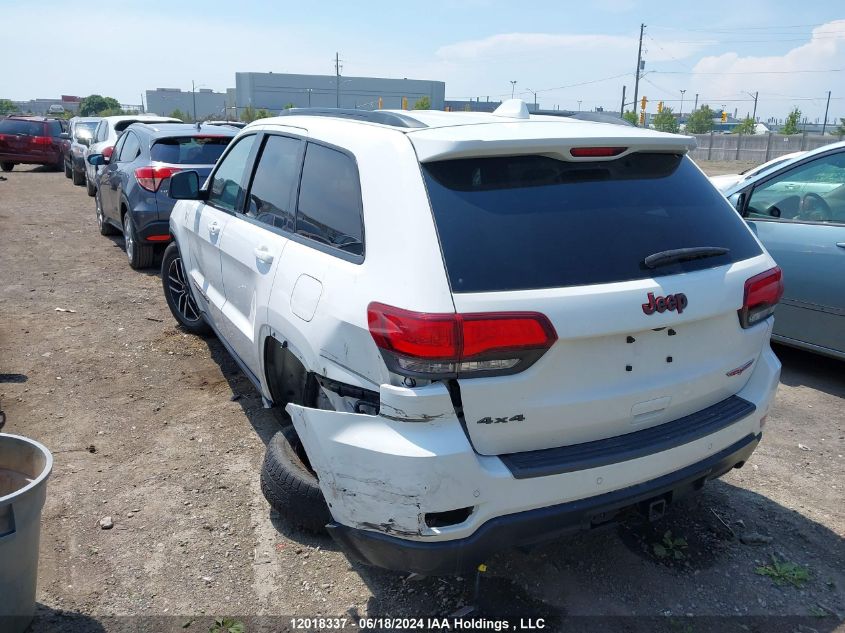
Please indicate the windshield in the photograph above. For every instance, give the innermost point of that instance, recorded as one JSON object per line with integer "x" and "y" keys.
{"x": 522, "y": 222}
{"x": 189, "y": 150}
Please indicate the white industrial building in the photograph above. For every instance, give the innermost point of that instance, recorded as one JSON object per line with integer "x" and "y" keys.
{"x": 275, "y": 91}
{"x": 209, "y": 104}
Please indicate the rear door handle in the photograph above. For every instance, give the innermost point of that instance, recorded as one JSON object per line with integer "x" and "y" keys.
{"x": 263, "y": 255}
{"x": 214, "y": 228}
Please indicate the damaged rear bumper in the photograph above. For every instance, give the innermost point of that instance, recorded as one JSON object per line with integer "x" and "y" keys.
{"x": 407, "y": 491}
{"x": 533, "y": 526}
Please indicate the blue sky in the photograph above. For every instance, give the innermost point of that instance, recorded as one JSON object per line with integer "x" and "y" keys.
{"x": 719, "y": 49}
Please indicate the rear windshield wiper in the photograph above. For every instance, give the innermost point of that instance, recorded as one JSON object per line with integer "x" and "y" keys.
{"x": 684, "y": 254}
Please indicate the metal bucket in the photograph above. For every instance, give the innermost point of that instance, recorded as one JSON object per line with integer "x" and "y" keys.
{"x": 25, "y": 466}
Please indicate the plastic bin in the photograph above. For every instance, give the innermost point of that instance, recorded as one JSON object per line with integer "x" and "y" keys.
{"x": 25, "y": 466}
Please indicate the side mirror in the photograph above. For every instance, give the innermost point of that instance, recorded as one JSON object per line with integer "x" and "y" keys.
{"x": 737, "y": 201}
{"x": 84, "y": 140}
{"x": 97, "y": 160}
{"x": 65, "y": 136}
{"x": 185, "y": 185}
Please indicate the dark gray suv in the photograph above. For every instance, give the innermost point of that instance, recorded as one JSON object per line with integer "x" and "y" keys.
{"x": 132, "y": 191}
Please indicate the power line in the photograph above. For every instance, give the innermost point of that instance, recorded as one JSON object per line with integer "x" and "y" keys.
{"x": 749, "y": 72}
{"x": 742, "y": 28}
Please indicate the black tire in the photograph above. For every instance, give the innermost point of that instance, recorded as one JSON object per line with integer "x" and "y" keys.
{"x": 78, "y": 177}
{"x": 140, "y": 255}
{"x": 6, "y": 166}
{"x": 290, "y": 487}
{"x": 177, "y": 293}
{"x": 102, "y": 223}
{"x": 92, "y": 190}
{"x": 68, "y": 171}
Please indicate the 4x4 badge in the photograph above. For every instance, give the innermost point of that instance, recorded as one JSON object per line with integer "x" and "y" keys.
{"x": 669, "y": 302}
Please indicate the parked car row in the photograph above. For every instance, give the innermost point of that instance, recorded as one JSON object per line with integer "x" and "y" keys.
{"x": 484, "y": 329}
{"x": 132, "y": 182}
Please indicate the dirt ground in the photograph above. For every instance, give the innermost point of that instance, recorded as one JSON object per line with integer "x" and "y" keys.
{"x": 160, "y": 431}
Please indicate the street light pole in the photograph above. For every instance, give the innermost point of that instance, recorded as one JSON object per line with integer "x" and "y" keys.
{"x": 681, "y": 113}
{"x": 579, "y": 105}
{"x": 513, "y": 87}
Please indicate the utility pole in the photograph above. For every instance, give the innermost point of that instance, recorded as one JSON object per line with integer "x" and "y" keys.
{"x": 695, "y": 107}
{"x": 622, "y": 107}
{"x": 754, "y": 96}
{"x": 639, "y": 65}
{"x": 681, "y": 113}
{"x": 194, "y": 98}
{"x": 337, "y": 75}
{"x": 824, "y": 125}
{"x": 513, "y": 87}
{"x": 534, "y": 92}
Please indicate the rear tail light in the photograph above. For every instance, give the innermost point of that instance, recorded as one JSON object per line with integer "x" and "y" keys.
{"x": 762, "y": 293}
{"x": 42, "y": 140}
{"x": 107, "y": 151}
{"x": 150, "y": 178}
{"x": 450, "y": 345}
{"x": 596, "y": 152}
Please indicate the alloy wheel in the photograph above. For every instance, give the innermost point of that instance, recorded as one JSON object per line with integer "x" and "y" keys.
{"x": 179, "y": 291}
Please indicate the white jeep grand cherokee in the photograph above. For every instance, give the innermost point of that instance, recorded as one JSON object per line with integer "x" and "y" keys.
{"x": 487, "y": 329}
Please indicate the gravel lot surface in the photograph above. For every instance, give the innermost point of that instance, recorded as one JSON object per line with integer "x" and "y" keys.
{"x": 161, "y": 432}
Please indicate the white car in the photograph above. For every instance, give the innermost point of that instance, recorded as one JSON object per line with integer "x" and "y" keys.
{"x": 487, "y": 329}
{"x": 723, "y": 182}
{"x": 105, "y": 136}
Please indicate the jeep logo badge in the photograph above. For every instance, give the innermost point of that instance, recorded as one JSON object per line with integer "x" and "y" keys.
{"x": 661, "y": 304}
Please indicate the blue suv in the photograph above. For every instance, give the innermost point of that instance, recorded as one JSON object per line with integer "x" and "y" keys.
{"x": 132, "y": 191}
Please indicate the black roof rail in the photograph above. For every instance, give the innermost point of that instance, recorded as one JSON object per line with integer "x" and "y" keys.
{"x": 371, "y": 116}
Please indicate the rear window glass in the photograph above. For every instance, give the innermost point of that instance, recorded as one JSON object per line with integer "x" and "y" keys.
{"x": 16, "y": 126}
{"x": 190, "y": 150}
{"x": 522, "y": 222}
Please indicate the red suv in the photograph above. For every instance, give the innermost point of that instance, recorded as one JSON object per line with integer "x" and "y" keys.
{"x": 32, "y": 140}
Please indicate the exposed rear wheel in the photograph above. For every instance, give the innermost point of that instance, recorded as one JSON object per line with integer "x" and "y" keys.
{"x": 78, "y": 177}
{"x": 6, "y": 166}
{"x": 177, "y": 293}
{"x": 68, "y": 171}
{"x": 289, "y": 484}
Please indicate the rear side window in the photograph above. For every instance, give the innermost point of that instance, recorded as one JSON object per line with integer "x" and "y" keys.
{"x": 271, "y": 196}
{"x": 189, "y": 150}
{"x": 329, "y": 207}
{"x": 25, "y": 128}
{"x": 522, "y": 222}
{"x": 54, "y": 128}
{"x": 131, "y": 148}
